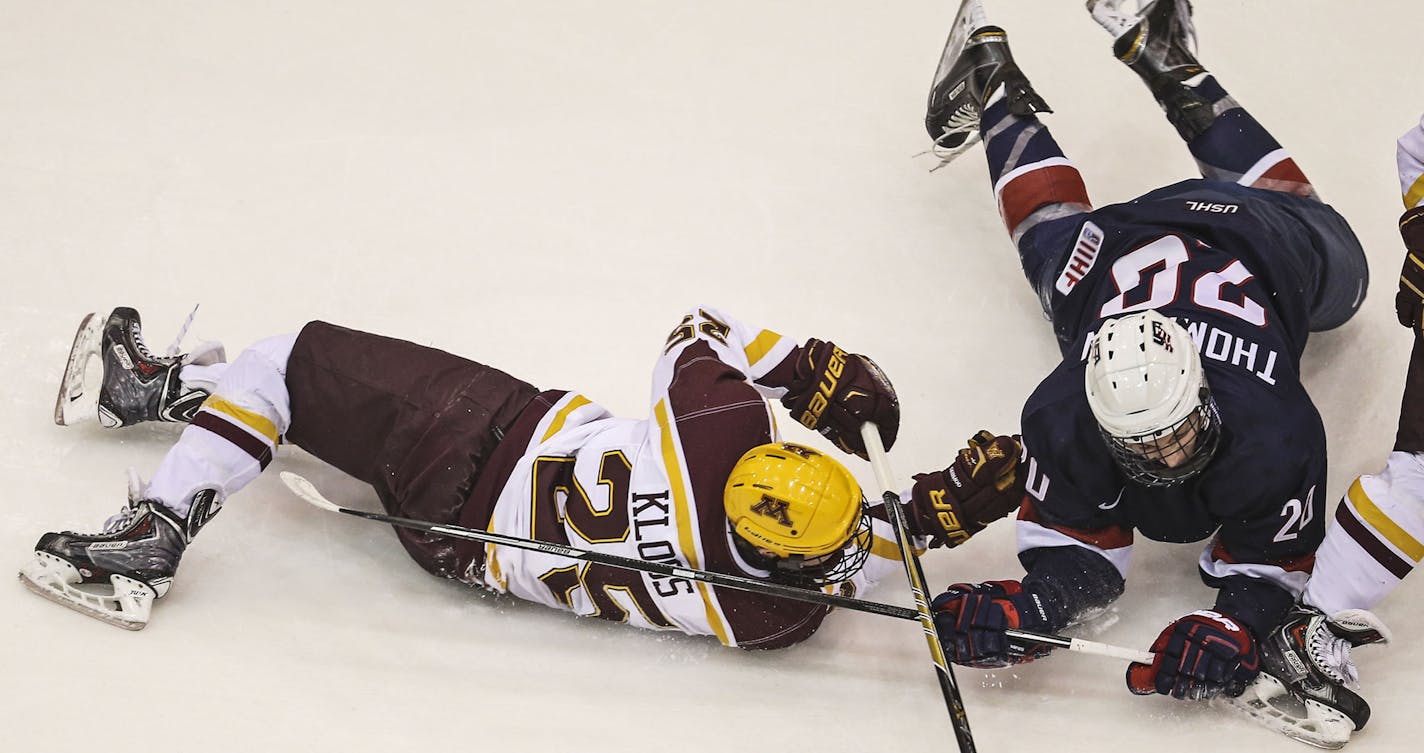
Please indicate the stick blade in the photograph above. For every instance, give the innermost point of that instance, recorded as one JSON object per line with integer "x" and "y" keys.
{"x": 304, "y": 489}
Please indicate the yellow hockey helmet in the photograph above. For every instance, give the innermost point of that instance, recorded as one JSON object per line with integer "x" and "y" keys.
{"x": 800, "y": 505}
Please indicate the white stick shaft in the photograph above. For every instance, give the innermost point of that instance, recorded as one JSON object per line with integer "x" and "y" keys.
{"x": 1117, "y": 652}
{"x": 879, "y": 458}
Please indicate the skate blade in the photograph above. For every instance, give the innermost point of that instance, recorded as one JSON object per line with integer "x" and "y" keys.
{"x": 77, "y": 401}
{"x": 969, "y": 18}
{"x": 129, "y": 607}
{"x": 1110, "y": 15}
{"x": 1269, "y": 703}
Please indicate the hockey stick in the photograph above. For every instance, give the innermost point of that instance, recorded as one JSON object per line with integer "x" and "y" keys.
{"x": 880, "y": 463}
{"x": 307, "y": 492}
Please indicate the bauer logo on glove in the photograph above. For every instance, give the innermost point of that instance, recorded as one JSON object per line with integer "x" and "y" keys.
{"x": 835, "y": 393}
{"x": 981, "y": 486}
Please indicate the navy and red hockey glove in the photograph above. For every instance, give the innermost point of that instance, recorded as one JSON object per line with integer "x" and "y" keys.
{"x": 1200, "y": 656}
{"x": 972, "y": 618}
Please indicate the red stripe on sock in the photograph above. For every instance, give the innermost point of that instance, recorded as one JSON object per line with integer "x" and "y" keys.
{"x": 1285, "y": 176}
{"x": 1055, "y": 184}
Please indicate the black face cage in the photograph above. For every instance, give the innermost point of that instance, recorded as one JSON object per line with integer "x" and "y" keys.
{"x": 1199, "y": 433}
{"x": 823, "y": 571}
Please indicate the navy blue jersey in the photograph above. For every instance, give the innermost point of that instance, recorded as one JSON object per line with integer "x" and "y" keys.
{"x": 1239, "y": 269}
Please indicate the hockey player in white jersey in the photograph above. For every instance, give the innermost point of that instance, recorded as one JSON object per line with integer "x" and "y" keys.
{"x": 1373, "y": 542}
{"x": 702, "y": 482}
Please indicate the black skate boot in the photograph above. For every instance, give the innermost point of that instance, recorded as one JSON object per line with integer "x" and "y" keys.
{"x": 135, "y": 385}
{"x": 1159, "y": 42}
{"x": 137, "y": 555}
{"x": 975, "y": 63}
{"x": 1304, "y": 689}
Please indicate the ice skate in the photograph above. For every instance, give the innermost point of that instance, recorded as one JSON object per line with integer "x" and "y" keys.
{"x": 116, "y": 575}
{"x": 1304, "y": 689}
{"x": 1159, "y": 42}
{"x": 133, "y": 385}
{"x": 975, "y": 66}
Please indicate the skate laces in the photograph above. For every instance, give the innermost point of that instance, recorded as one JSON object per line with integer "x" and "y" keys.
{"x": 1331, "y": 654}
{"x": 135, "y": 332}
{"x": 175, "y": 349}
{"x": 947, "y": 154}
{"x": 124, "y": 517}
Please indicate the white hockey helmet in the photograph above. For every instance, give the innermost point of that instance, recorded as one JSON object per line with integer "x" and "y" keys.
{"x": 1146, "y": 389}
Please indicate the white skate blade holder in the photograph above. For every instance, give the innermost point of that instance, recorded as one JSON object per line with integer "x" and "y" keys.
{"x": 128, "y": 606}
{"x": 1269, "y": 703}
{"x": 78, "y": 400}
{"x": 969, "y": 17}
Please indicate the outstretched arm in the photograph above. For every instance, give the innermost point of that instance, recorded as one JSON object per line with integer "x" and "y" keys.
{"x": 825, "y": 388}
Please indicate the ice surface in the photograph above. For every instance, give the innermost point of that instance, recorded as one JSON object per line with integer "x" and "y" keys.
{"x": 544, "y": 186}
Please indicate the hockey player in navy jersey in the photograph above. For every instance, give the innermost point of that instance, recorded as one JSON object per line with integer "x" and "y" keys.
{"x": 1177, "y": 413}
{"x": 702, "y": 481}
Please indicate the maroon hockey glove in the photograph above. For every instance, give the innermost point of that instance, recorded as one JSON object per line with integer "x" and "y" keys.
{"x": 972, "y": 618}
{"x": 979, "y": 487}
{"x": 835, "y": 392}
{"x": 1200, "y": 656}
{"x": 1409, "y": 302}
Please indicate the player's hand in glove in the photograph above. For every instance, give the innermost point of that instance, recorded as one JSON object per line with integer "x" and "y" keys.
{"x": 972, "y": 618}
{"x": 1200, "y": 656}
{"x": 981, "y": 485}
{"x": 835, "y": 392}
{"x": 1409, "y": 301}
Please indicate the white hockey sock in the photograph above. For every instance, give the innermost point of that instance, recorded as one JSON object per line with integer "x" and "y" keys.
{"x": 235, "y": 434}
{"x": 1374, "y": 540}
{"x": 204, "y": 378}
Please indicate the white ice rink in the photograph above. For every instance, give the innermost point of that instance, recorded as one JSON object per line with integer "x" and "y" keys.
{"x": 544, "y": 186}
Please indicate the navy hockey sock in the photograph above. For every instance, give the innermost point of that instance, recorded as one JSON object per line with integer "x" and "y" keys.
{"x": 1238, "y": 149}
{"x": 1033, "y": 181}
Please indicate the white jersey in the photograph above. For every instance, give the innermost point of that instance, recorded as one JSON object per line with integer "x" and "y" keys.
{"x": 651, "y": 489}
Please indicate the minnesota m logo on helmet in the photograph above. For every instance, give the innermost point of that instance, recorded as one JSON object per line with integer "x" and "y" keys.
{"x": 773, "y": 508}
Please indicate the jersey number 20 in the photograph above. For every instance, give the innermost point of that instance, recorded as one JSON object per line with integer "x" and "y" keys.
{"x": 1168, "y": 254}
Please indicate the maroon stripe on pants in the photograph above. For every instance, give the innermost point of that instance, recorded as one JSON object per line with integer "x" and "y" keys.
{"x": 259, "y": 450}
{"x": 1362, "y": 536}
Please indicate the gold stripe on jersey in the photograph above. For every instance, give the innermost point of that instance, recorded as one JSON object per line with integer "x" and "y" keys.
{"x": 251, "y": 419}
{"x": 1381, "y": 522}
{"x": 1412, "y": 259}
{"x": 1415, "y": 194}
{"x": 578, "y": 401}
{"x": 758, "y": 348}
{"x": 884, "y": 548}
{"x": 686, "y": 540}
{"x": 887, "y": 549}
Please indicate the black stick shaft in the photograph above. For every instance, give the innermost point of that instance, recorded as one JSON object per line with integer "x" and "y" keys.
{"x": 647, "y": 566}
{"x": 308, "y": 492}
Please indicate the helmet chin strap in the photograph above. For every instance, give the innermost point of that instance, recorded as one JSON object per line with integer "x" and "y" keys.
{"x": 789, "y": 570}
